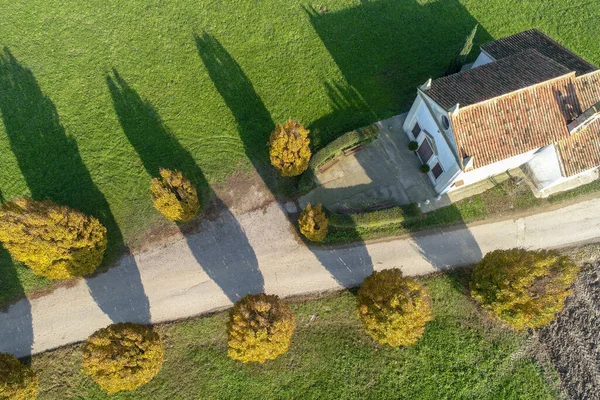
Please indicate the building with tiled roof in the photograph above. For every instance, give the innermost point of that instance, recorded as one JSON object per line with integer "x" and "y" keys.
{"x": 526, "y": 102}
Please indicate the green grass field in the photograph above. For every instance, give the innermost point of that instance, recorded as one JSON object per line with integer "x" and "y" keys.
{"x": 96, "y": 95}
{"x": 462, "y": 355}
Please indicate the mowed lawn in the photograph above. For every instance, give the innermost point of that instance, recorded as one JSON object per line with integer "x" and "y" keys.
{"x": 96, "y": 95}
{"x": 462, "y": 355}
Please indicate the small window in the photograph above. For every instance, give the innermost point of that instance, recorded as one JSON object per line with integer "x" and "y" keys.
{"x": 437, "y": 170}
{"x": 445, "y": 122}
{"x": 416, "y": 131}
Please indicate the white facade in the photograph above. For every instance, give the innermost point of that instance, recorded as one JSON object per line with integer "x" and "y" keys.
{"x": 545, "y": 172}
{"x": 544, "y": 168}
{"x": 479, "y": 174}
{"x": 431, "y": 130}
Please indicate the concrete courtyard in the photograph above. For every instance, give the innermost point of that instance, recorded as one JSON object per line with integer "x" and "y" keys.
{"x": 384, "y": 173}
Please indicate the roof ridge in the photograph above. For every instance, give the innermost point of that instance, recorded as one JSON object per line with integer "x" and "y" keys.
{"x": 503, "y": 60}
{"x": 529, "y": 37}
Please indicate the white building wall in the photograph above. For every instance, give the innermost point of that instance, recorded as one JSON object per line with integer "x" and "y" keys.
{"x": 496, "y": 168}
{"x": 442, "y": 152}
{"x": 544, "y": 168}
{"x": 482, "y": 59}
{"x": 545, "y": 172}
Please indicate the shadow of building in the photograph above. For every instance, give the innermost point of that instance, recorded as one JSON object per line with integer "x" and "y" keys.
{"x": 386, "y": 48}
{"x": 222, "y": 248}
{"x": 53, "y": 169}
{"x": 254, "y": 125}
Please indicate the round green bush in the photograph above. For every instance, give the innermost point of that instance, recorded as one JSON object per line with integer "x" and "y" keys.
{"x": 260, "y": 328}
{"x": 394, "y": 309}
{"x": 17, "y": 381}
{"x": 523, "y": 288}
{"x": 425, "y": 168}
{"x": 123, "y": 356}
{"x": 413, "y": 146}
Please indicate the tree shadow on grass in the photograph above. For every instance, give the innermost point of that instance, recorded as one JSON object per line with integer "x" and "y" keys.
{"x": 222, "y": 248}
{"x": 254, "y": 126}
{"x": 53, "y": 169}
{"x": 254, "y": 122}
{"x": 348, "y": 112}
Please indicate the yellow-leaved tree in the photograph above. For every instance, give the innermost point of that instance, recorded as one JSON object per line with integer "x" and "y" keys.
{"x": 175, "y": 196}
{"x": 260, "y": 328}
{"x": 17, "y": 381}
{"x": 313, "y": 223}
{"x": 523, "y": 288}
{"x": 123, "y": 356}
{"x": 55, "y": 241}
{"x": 394, "y": 309}
{"x": 289, "y": 148}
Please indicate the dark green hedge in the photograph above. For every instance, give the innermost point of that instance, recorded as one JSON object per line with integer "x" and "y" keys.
{"x": 373, "y": 219}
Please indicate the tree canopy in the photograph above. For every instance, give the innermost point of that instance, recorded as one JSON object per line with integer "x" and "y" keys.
{"x": 123, "y": 356}
{"x": 260, "y": 328}
{"x": 394, "y": 309}
{"x": 289, "y": 148}
{"x": 523, "y": 288}
{"x": 55, "y": 241}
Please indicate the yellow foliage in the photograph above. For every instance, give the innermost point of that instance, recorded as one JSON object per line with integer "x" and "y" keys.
{"x": 55, "y": 241}
{"x": 289, "y": 149}
{"x": 523, "y": 288}
{"x": 17, "y": 381}
{"x": 394, "y": 309}
{"x": 174, "y": 196}
{"x": 260, "y": 328}
{"x": 313, "y": 223}
{"x": 123, "y": 356}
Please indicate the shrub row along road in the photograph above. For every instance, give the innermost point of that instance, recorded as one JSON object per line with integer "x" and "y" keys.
{"x": 258, "y": 252}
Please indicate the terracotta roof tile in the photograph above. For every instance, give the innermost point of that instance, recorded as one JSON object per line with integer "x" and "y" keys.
{"x": 494, "y": 79}
{"x": 516, "y": 123}
{"x": 581, "y": 151}
{"x": 534, "y": 39}
{"x": 588, "y": 89}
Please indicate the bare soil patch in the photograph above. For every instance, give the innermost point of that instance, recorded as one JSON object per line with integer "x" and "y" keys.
{"x": 572, "y": 341}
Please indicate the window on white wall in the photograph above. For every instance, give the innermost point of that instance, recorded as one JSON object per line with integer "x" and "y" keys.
{"x": 445, "y": 122}
{"x": 437, "y": 171}
{"x": 416, "y": 130}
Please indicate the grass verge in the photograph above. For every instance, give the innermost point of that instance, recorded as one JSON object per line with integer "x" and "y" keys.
{"x": 501, "y": 200}
{"x": 462, "y": 355}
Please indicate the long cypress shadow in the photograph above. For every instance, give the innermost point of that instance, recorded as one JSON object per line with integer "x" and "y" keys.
{"x": 253, "y": 120}
{"x": 53, "y": 169}
{"x": 254, "y": 125}
{"x": 222, "y": 248}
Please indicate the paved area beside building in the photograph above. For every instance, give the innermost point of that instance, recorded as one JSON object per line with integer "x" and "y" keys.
{"x": 384, "y": 173}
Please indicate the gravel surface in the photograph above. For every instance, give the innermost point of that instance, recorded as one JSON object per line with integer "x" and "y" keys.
{"x": 572, "y": 341}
